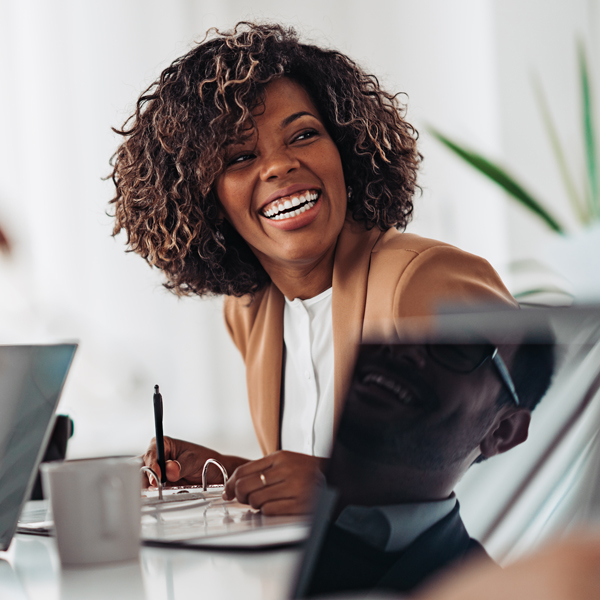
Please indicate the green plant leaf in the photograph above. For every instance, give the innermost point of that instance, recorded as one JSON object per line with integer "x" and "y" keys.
{"x": 500, "y": 177}
{"x": 588, "y": 131}
{"x": 578, "y": 204}
{"x": 550, "y": 289}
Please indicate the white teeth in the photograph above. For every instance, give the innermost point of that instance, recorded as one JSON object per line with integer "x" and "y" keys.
{"x": 293, "y": 213}
{"x": 303, "y": 203}
{"x": 403, "y": 394}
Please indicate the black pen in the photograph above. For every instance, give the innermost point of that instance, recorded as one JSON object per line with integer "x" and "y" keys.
{"x": 160, "y": 442}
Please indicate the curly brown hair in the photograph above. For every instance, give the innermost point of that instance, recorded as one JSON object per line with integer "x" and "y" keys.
{"x": 175, "y": 141}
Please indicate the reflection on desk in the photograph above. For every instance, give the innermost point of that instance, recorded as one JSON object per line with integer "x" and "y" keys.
{"x": 214, "y": 522}
{"x": 196, "y": 521}
{"x": 30, "y": 570}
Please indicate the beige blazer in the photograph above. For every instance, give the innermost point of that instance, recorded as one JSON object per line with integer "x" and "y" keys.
{"x": 378, "y": 278}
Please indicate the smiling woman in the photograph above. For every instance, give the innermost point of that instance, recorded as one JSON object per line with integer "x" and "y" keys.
{"x": 185, "y": 130}
{"x": 291, "y": 229}
{"x": 278, "y": 174}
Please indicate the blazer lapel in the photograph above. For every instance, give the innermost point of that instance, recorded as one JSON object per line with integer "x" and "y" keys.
{"x": 443, "y": 543}
{"x": 264, "y": 355}
{"x": 350, "y": 274}
{"x": 264, "y": 359}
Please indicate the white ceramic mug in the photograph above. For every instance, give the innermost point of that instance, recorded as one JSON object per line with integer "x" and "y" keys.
{"x": 96, "y": 507}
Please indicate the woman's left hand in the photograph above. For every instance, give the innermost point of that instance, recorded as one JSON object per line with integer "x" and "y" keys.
{"x": 282, "y": 483}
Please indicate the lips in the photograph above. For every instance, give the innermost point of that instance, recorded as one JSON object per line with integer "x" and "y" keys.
{"x": 382, "y": 382}
{"x": 291, "y": 205}
{"x": 400, "y": 391}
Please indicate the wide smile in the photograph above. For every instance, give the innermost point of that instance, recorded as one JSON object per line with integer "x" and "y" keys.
{"x": 290, "y": 206}
{"x": 401, "y": 392}
{"x": 388, "y": 386}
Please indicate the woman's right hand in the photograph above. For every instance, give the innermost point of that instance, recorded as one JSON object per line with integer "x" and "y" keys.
{"x": 184, "y": 462}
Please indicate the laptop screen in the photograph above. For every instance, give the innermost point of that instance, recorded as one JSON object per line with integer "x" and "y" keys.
{"x": 453, "y": 404}
{"x": 31, "y": 382}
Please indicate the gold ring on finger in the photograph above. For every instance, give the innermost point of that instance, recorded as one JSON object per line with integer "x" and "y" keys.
{"x": 263, "y": 479}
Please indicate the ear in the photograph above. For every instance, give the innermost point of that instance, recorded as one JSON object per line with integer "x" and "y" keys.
{"x": 507, "y": 432}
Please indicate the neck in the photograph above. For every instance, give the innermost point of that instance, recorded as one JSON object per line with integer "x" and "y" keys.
{"x": 301, "y": 280}
{"x": 398, "y": 491}
{"x": 365, "y": 482}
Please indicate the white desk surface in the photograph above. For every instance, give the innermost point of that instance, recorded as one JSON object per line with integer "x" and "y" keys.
{"x": 30, "y": 570}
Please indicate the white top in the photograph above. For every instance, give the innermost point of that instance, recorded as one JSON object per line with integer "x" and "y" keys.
{"x": 307, "y": 423}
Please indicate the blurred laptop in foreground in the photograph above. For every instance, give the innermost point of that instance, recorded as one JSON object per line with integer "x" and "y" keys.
{"x": 31, "y": 382}
{"x": 421, "y": 411}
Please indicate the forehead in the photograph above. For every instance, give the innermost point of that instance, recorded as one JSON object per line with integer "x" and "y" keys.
{"x": 282, "y": 98}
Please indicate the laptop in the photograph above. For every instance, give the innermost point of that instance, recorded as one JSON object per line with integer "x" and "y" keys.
{"x": 386, "y": 520}
{"x": 31, "y": 383}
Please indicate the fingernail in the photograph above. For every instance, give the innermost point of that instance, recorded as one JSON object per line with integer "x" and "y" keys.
{"x": 178, "y": 464}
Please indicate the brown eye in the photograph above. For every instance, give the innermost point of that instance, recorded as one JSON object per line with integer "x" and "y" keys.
{"x": 240, "y": 158}
{"x": 306, "y": 135}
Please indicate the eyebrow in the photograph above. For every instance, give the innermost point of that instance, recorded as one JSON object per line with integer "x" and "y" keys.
{"x": 283, "y": 125}
{"x": 295, "y": 116}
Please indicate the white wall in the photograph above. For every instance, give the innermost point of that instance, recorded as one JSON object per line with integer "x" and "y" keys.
{"x": 74, "y": 70}
{"x": 539, "y": 38}
{"x": 70, "y": 70}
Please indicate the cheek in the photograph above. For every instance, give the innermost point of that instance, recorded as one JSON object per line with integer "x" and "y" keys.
{"x": 224, "y": 193}
{"x": 230, "y": 196}
{"x": 220, "y": 193}
{"x": 336, "y": 168}
{"x": 334, "y": 172}
{"x": 486, "y": 391}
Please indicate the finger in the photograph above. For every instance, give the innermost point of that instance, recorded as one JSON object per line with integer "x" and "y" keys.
{"x": 173, "y": 469}
{"x": 258, "y": 497}
{"x": 240, "y": 484}
{"x": 144, "y": 479}
{"x": 150, "y": 454}
{"x": 229, "y": 491}
{"x": 255, "y": 466}
{"x": 151, "y": 479}
{"x": 150, "y": 460}
{"x": 190, "y": 467}
{"x": 286, "y": 506}
{"x": 245, "y": 486}
{"x": 252, "y": 468}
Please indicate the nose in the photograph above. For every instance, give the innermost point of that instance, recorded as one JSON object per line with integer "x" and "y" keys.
{"x": 279, "y": 164}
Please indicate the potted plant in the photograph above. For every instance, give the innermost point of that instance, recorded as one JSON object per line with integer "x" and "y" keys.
{"x": 575, "y": 255}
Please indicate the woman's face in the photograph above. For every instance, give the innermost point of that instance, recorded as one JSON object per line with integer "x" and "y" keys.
{"x": 283, "y": 188}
